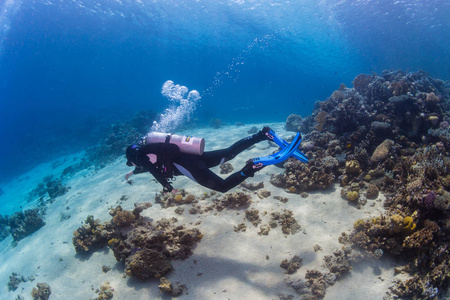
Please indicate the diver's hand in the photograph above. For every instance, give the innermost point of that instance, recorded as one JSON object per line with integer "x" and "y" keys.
{"x": 128, "y": 175}
{"x": 169, "y": 189}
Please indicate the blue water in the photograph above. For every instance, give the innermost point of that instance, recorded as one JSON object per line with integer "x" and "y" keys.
{"x": 69, "y": 68}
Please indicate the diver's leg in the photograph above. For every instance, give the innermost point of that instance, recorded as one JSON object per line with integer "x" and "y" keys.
{"x": 214, "y": 158}
{"x": 200, "y": 173}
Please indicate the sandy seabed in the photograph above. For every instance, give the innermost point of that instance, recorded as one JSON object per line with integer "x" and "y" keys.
{"x": 225, "y": 264}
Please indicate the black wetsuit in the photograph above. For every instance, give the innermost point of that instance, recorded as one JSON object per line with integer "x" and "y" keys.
{"x": 171, "y": 162}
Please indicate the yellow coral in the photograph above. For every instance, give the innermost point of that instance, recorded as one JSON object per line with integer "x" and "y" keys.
{"x": 409, "y": 224}
{"x": 344, "y": 180}
{"x": 397, "y": 222}
{"x": 359, "y": 224}
{"x": 111, "y": 242}
{"x": 352, "y": 167}
{"x": 367, "y": 178}
{"x": 434, "y": 120}
{"x": 352, "y": 195}
{"x": 178, "y": 198}
{"x": 292, "y": 189}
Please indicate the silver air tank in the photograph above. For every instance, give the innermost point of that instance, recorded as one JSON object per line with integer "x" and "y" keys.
{"x": 186, "y": 144}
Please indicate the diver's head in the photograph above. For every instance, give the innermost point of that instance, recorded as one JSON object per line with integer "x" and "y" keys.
{"x": 131, "y": 154}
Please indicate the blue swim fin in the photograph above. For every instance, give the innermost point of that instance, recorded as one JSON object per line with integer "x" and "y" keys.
{"x": 280, "y": 156}
{"x": 282, "y": 144}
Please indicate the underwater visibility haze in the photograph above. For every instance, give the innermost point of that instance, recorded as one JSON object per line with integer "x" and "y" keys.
{"x": 361, "y": 209}
{"x": 69, "y": 69}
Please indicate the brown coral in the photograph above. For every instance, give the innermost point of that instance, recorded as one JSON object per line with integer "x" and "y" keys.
{"x": 169, "y": 199}
{"x": 422, "y": 237}
{"x": 168, "y": 287}
{"x": 226, "y": 168}
{"x": 90, "y": 234}
{"x": 321, "y": 119}
{"x": 382, "y": 151}
{"x": 234, "y": 200}
{"x": 42, "y": 292}
{"x": 292, "y": 265}
{"x": 372, "y": 192}
{"x": 299, "y": 177}
{"x": 317, "y": 282}
{"x": 123, "y": 218}
{"x": 145, "y": 264}
{"x": 252, "y": 215}
{"x": 352, "y": 167}
{"x": 289, "y": 224}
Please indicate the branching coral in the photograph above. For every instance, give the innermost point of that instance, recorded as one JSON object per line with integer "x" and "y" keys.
{"x": 146, "y": 249}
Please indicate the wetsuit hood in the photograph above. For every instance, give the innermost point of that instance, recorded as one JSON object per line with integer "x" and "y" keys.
{"x": 131, "y": 154}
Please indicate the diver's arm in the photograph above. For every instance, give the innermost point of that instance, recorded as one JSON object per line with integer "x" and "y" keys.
{"x": 135, "y": 171}
{"x": 128, "y": 175}
{"x": 159, "y": 177}
{"x": 138, "y": 170}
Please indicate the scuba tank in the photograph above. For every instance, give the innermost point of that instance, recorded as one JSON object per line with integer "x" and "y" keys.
{"x": 186, "y": 144}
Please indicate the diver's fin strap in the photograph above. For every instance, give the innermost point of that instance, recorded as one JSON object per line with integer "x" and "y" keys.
{"x": 280, "y": 156}
{"x": 282, "y": 144}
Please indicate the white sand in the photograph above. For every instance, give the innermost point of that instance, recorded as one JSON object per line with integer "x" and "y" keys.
{"x": 225, "y": 264}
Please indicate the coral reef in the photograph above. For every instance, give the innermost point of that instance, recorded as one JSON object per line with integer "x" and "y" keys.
{"x": 292, "y": 265}
{"x": 4, "y": 229}
{"x": 390, "y": 133}
{"x": 263, "y": 193}
{"x": 299, "y": 177}
{"x": 169, "y": 199}
{"x": 42, "y": 292}
{"x": 174, "y": 290}
{"x": 53, "y": 187}
{"x": 252, "y": 215}
{"x": 240, "y": 227}
{"x": 15, "y": 279}
{"x": 117, "y": 138}
{"x": 226, "y": 168}
{"x": 235, "y": 200}
{"x": 289, "y": 224}
{"x": 105, "y": 292}
{"x": 145, "y": 264}
{"x": 92, "y": 233}
{"x": 381, "y": 152}
{"x": 296, "y": 123}
{"x": 25, "y": 223}
{"x": 253, "y": 130}
{"x": 317, "y": 282}
{"x": 145, "y": 247}
{"x": 122, "y": 218}
{"x": 252, "y": 186}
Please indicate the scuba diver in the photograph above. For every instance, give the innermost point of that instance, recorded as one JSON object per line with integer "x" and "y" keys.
{"x": 165, "y": 156}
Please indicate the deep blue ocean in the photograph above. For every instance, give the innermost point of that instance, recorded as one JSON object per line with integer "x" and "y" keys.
{"x": 70, "y": 68}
